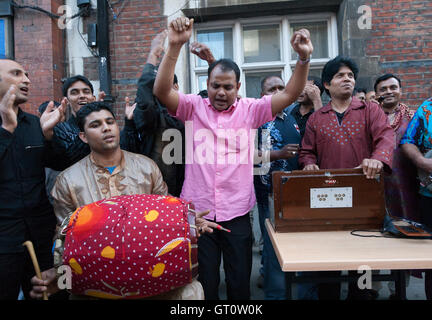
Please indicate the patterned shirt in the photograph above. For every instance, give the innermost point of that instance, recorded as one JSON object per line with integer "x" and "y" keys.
{"x": 419, "y": 132}
{"x": 364, "y": 133}
{"x": 283, "y": 130}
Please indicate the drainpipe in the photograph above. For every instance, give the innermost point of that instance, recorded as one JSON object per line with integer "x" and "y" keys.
{"x": 104, "y": 54}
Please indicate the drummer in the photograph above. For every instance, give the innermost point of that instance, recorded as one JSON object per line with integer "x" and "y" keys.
{"x": 106, "y": 172}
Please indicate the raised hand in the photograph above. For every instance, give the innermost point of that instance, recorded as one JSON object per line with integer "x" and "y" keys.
{"x": 129, "y": 109}
{"x": 202, "y": 51}
{"x": 101, "y": 96}
{"x": 302, "y": 44}
{"x": 7, "y": 112}
{"x": 157, "y": 48}
{"x": 179, "y": 31}
{"x": 51, "y": 117}
{"x": 314, "y": 95}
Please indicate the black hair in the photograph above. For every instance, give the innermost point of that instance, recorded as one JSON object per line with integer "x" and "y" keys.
{"x": 384, "y": 78}
{"x": 226, "y": 65}
{"x": 203, "y": 94}
{"x": 89, "y": 108}
{"x": 263, "y": 81}
{"x": 44, "y": 105}
{"x": 357, "y": 90}
{"x": 317, "y": 82}
{"x": 175, "y": 80}
{"x": 332, "y": 67}
{"x": 70, "y": 81}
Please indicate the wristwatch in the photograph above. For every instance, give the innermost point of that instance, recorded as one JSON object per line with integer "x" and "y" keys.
{"x": 303, "y": 61}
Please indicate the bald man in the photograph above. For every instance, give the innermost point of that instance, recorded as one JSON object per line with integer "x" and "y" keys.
{"x": 25, "y": 212}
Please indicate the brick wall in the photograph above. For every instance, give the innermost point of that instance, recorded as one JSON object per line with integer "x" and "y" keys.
{"x": 39, "y": 47}
{"x": 399, "y": 42}
{"x": 130, "y": 39}
{"x": 402, "y": 37}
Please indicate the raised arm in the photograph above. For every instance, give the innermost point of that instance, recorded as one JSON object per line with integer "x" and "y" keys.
{"x": 202, "y": 51}
{"x": 179, "y": 32}
{"x": 301, "y": 44}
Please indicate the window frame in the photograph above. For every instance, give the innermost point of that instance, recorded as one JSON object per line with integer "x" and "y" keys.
{"x": 8, "y": 37}
{"x": 285, "y": 65}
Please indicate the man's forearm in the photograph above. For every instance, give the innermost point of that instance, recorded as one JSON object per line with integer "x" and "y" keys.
{"x": 292, "y": 90}
{"x": 152, "y": 59}
{"x": 297, "y": 81}
{"x": 165, "y": 75}
{"x": 414, "y": 154}
{"x": 317, "y": 104}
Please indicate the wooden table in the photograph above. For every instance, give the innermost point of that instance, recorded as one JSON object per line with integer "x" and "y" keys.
{"x": 339, "y": 250}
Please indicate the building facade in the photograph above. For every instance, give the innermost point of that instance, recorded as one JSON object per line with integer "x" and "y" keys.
{"x": 381, "y": 36}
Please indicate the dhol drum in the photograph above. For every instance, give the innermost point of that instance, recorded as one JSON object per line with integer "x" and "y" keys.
{"x": 132, "y": 246}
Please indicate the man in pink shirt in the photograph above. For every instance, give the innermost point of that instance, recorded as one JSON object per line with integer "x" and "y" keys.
{"x": 219, "y": 154}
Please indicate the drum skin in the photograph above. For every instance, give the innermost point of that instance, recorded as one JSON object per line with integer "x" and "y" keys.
{"x": 132, "y": 246}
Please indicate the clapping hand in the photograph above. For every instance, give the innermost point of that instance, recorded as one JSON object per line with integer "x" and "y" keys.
{"x": 129, "y": 109}
{"x": 51, "y": 117}
{"x": 101, "y": 96}
{"x": 7, "y": 112}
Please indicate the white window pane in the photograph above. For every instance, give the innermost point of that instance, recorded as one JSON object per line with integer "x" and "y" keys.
{"x": 261, "y": 43}
{"x": 219, "y": 41}
{"x": 202, "y": 83}
{"x": 319, "y": 37}
{"x": 253, "y": 82}
{"x": 315, "y": 72}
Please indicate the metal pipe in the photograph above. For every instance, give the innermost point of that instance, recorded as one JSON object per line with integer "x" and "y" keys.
{"x": 103, "y": 44}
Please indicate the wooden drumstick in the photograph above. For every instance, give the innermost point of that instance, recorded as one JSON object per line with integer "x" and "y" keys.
{"x": 32, "y": 253}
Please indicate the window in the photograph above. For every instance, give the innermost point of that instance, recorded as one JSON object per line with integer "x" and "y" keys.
{"x": 261, "y": 47}
{"x": 6, "y": 42}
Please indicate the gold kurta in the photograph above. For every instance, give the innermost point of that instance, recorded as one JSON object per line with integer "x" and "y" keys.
{"x": 86, "y": 182}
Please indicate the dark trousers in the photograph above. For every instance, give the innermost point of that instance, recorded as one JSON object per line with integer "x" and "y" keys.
{"x": 331, "y": 291}
{"x": 425, "y": 204}
{"x": 236, "y": 249}
{"x": 16, "y": 270}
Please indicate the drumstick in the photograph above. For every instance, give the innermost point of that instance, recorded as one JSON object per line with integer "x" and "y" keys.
{"x": 219, "y": 227}
{"x": 32, "y": 253}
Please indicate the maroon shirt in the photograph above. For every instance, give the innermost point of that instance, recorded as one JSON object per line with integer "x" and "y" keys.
{"x": 364, "y": 133}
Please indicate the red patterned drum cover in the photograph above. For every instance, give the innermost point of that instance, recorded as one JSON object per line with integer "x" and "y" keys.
{"x": 131, "y": 246}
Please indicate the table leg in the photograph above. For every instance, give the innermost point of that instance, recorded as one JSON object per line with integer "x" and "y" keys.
{"x": 289, "y": 277}
{"x": 400, "y": 284}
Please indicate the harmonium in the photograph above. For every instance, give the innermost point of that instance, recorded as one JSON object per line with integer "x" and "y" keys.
{"x": 327, "y": 200}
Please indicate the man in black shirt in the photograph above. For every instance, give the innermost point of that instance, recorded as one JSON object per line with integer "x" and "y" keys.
{"x": 308, "y": 102}
{"x": 25, "y": 212}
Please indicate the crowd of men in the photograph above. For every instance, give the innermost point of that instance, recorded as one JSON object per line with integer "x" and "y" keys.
{"x": 90, "y": 159}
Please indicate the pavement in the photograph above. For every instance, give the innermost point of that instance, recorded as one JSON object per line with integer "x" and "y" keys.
{"x": 414, "y": 290}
